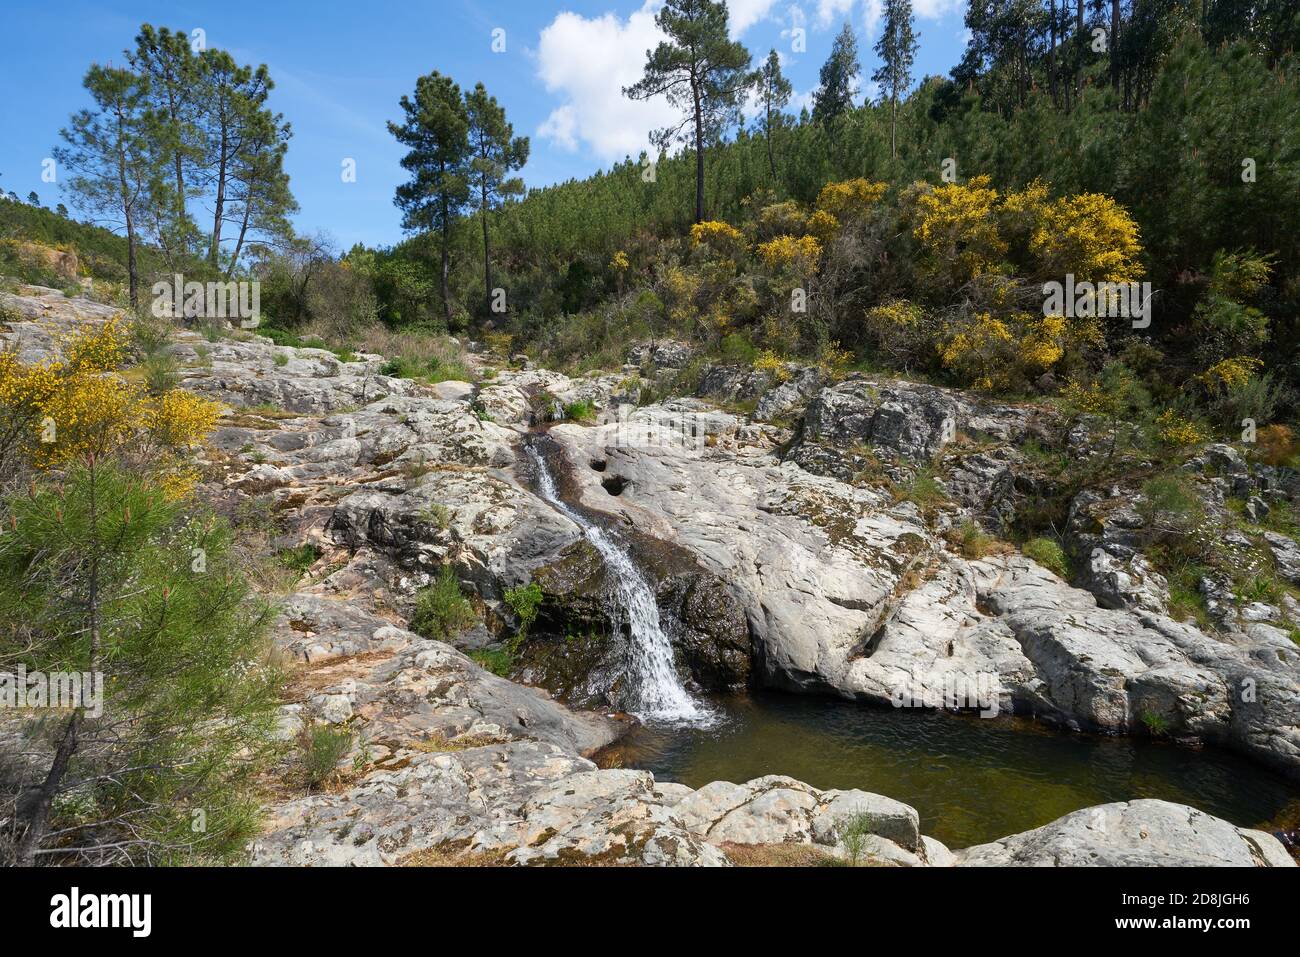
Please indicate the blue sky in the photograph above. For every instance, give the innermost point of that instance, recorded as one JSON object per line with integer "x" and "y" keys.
{"x": 340, "y": 68}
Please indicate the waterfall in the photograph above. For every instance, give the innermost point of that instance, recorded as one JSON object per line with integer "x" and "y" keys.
{"x": 657, "y": 691}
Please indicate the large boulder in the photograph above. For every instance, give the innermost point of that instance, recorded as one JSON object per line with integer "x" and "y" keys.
{"x": 1132, "y": 834}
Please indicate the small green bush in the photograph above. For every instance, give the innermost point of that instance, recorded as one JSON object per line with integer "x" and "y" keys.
{"x": 580, "y": 411}
{"x": 525, "y": 601}
{"x": 324, "y": 748}
{"x": 441, "y": 611}
{"x": 974, "y": 542}
{"x": 499, "y": 661}
{"x": 161, "y": 372}
{"x": 1048, "y": 553}
{"x": 299, "y": 559}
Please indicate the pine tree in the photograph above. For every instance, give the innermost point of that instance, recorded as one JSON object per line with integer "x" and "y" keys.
{"x": 166, "y": 60}
{"x": 234, "y": 115}
{"x": 103, "y": 575}
{"x": 897, "y": 50}
{"x": 701, "y": 71}
{"x": 496, "y": 153}
{"x": 115, "y": 169}
{"x": 435, "y": 129}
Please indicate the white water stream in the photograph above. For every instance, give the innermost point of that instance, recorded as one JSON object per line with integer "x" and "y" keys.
{"x": 658, "y": 692}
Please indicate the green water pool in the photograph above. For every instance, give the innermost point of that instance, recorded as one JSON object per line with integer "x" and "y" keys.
{"x": 972, "y": 780}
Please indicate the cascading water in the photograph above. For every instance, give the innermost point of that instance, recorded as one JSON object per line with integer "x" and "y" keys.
{"x": 659, "y": 695}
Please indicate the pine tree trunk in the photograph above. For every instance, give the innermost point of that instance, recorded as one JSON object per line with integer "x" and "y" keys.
{"x": 699, "y": 154}
{"x": 771, "y": 159}
{"x": 893, "y": 126}
{"x": 243, "y": 231}
{"x": 215, "y": 253}
{"x": 446, "y": 269}
{"x": 1114, "y": 44}
{"x": 1078, "y": 40}
{"x": 1051, "y": 57}
{"x": 39, "y": 817}
{"x": 487, "y": 257}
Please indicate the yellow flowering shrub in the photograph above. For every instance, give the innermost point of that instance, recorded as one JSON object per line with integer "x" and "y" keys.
{"x": 849, "y": 198}
{"x": 801, "y": 253}
{"x": 63, "y": 409}
{"x": 823, "y": 225}
{"x": 1230, "y": 374}
{"x": 998, "y": 352}
{"x": 680, "y": 288}
{"x": 620, "y": 262}
{"x": 1173, "y": 429}
{"x": 1089, "y": 235}
{"x": 957, "y": 226}
{"x": 771, "y": 363}
{"x": 1088, "y": 398}
{"x": 718, "y": 236}
{"x": 778, "y": 219}
{"x": 179, "y": 419}
{"x": 897, "y": 312}
{"x": 976, "y": 351}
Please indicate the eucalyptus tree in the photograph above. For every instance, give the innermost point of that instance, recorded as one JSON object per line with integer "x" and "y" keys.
{"x": 838, "y": 79}
{"x": 897, "y": 51}
{"x": 774, "y": 92}
{"x": 701, "y": 71}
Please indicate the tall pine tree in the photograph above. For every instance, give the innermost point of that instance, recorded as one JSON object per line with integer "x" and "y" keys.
{"x": 701, "y": 71}
{"x": 496, "y": 152}
{"x": 435, "y": 130}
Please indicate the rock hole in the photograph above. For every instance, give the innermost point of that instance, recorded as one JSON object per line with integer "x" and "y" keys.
{"x": 598, "y": 465}
{"x": 614, "y": 485}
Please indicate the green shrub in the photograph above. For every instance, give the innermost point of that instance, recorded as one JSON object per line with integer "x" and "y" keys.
{"x": 525, "y": 601}
{"x": 161, "y": 372}
{"x": 974, "y": 542}
{"x": 324, "y": 748}
{"x": 441, "y": 611}
{"x": 299, "y": 559}
{"x": 499, "y": 661}
{"x": 854, "y": 832}
{"x": 1170, "y": 501}
{"x": 1048, "y": 553}
{"x": 438, "y": 515}
{"x": 580, "y": 411}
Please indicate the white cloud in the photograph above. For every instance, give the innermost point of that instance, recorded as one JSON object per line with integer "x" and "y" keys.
{"x": 746, "y": 13}
{"x": 936, "y": 9}
{"x": 830, "y": 10}
{"x": 587, "y": 62}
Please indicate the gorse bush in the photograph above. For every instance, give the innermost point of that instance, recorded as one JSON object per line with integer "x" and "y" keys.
{"x": 70, "y": 408}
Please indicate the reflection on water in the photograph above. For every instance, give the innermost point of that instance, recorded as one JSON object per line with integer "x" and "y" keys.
{"x": 972, "y": 780}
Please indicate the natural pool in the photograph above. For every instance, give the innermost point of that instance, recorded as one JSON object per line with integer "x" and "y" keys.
{"x": 972, "y": 780}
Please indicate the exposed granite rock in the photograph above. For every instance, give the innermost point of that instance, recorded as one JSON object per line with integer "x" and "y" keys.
{"x": 1132, "y": 834}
